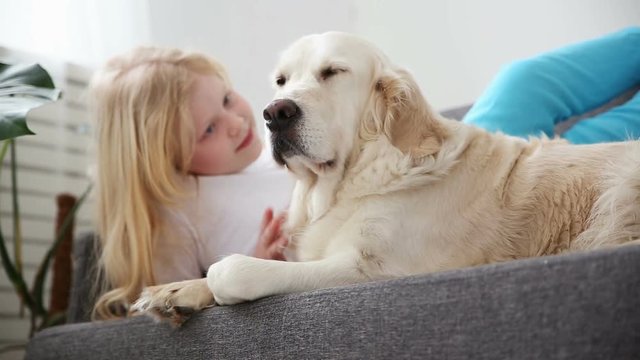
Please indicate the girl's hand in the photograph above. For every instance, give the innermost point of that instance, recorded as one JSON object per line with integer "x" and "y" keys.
{"x": 272, "y": 240}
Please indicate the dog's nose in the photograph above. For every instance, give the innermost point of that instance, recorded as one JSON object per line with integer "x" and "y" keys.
{"x": 281, "y": 114}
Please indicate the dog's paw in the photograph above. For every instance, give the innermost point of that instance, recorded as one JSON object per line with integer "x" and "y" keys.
{"x": 175, "y": 302}
{"x": 235, "y": 279}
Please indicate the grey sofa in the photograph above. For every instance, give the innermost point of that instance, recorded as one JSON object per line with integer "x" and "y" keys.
{"x": 573, "y": 306}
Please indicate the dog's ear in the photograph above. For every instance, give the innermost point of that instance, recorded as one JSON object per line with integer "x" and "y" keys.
{"x": 399, "y": 111}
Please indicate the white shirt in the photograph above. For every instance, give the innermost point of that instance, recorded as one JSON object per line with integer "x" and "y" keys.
{"x": 222, "y": 218}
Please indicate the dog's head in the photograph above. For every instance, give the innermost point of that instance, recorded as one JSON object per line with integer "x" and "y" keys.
{"x": 334, "y": 92}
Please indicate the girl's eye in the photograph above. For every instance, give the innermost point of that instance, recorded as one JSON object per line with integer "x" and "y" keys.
{"x": 207, "y": 132}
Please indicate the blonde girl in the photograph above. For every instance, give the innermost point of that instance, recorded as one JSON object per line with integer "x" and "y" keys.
{"x": 181, "y": 175}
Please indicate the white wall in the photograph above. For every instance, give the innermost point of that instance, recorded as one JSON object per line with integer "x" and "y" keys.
{"x": 455, "y": 47}
{"x": 246, "y": 36}
{"x": 85, "y": 32}
{"x": 452, "y": 47}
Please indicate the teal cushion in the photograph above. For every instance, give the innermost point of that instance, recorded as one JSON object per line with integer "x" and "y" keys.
{"x": 530, "y": 97}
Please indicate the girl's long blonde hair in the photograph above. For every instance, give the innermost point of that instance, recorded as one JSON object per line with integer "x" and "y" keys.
{"x": 145, "y": 141}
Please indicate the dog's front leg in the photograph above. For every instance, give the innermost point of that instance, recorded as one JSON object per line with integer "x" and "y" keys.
{"x": 239, "y": 278}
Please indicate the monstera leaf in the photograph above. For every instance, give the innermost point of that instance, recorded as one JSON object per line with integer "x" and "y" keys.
{"x": 22, "y": 88}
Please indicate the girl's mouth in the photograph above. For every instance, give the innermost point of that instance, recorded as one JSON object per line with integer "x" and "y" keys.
{"x": 247, "y": 140}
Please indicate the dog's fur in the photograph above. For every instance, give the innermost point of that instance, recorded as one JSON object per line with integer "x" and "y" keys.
{"x": 387, "y": 187}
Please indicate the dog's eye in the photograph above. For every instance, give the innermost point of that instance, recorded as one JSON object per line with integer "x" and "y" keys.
{"x": 330, "y": 71}
{"x": 281, "y": 80}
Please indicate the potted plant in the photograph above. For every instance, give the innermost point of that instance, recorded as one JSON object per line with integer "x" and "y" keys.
{"x": 23, "y": 88}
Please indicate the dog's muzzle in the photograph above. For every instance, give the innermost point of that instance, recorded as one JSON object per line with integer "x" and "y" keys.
{"x": 282, "y": 116}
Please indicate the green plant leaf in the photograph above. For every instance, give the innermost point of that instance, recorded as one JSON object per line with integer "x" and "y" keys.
{"x": 22, "y": 88}
{"x": 18, "y": 281}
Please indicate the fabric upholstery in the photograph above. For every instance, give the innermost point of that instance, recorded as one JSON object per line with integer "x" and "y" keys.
{"x": 83, "y": 289}
{"x": 575, "y": 306}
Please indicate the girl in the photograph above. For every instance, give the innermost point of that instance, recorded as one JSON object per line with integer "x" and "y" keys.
{"x": 181, "y": 173}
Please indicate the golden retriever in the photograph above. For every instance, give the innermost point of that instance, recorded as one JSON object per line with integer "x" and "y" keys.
{"x": 386, "y": 187}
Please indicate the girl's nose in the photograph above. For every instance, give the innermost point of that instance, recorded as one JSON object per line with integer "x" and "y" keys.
{"x": 236, "y": 125}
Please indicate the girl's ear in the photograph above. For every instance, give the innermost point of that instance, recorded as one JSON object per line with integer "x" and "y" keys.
{"x": 400, "y": 113}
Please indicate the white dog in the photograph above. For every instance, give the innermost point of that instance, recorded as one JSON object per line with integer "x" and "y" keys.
{"x": 387, "y": 187}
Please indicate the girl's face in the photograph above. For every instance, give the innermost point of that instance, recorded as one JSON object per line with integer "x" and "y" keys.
{"x": 226, "y": 141}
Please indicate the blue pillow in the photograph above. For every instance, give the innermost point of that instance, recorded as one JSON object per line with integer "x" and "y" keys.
{"x": 530, "y": 97}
